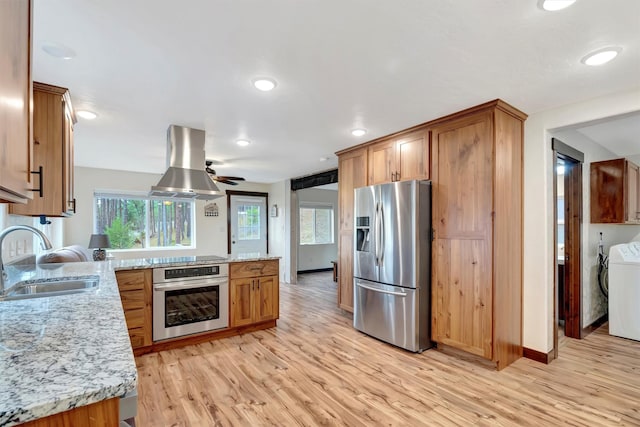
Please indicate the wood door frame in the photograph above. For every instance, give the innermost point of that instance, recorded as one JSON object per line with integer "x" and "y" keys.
{"x": 572, "y": 290}
{"x": 245, "y": 193}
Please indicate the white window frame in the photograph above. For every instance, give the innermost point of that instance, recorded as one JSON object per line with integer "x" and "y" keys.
{"x": 317, "y": 205}
{"x": 138, "y": 195}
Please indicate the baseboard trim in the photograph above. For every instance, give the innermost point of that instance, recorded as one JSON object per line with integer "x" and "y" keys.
{"x": 538, "y": 356}
{"x": 317, "y": 270}
{"x": 595, "y": 325}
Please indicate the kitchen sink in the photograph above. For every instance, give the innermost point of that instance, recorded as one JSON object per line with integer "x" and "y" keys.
{"x": 51, "y": 287}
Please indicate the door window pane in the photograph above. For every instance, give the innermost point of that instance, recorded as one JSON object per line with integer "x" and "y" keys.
{"x": 248, "y": 222}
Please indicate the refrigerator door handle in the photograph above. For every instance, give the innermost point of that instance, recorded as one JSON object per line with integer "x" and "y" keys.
{"x": 382, "y": 291}
{"x": 376, "y": 232}
{"x": 381, "y": 234}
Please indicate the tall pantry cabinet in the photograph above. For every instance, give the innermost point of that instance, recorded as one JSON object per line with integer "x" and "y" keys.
{"x": 352, "y": 169}
{"x": 477, "y": 176}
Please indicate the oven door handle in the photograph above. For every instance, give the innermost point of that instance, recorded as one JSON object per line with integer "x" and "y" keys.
{"x": 187, "y": 285}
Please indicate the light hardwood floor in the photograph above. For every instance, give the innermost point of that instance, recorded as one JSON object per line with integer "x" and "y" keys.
{"x": 315, "y": 369}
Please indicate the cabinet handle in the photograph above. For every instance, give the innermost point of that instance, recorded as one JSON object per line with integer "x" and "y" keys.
{"x": 39, "y": 190}
{"x": 74, "y": 204}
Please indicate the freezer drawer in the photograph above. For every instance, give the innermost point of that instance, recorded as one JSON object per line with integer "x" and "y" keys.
{"x": 392, "y": 314}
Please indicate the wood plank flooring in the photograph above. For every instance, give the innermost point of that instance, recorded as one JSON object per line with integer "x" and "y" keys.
{"x": 315, "y": 369}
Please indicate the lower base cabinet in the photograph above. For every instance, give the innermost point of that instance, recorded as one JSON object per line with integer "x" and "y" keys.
{"x": 136, "y": 294}
{"x": 253, "y": 292}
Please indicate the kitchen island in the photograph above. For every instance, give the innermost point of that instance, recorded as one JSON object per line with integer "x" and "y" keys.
{"x": 65, "y": 353}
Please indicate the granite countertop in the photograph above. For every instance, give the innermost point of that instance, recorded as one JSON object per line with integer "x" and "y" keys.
{"x": 61, "y": 352}
{"x": 66, "y": 351}
{"x": 163, "y": 262}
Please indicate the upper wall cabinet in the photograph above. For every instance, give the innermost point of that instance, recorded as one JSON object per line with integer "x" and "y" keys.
{"x": 53, "y": 120}
{"x": 615, "y": 192}
{"x": 400, "y": 157}
{"x": 15, "y": 90}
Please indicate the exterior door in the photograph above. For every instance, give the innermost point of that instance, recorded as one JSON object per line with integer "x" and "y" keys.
{"x": 248, "y": 225}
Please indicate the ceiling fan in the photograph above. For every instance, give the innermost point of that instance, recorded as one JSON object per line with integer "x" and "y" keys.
{"x": 222, "y": 179}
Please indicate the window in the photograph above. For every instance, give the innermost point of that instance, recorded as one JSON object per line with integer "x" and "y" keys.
{"x": 138, "y": 222}
{"x": 316, "y": 224}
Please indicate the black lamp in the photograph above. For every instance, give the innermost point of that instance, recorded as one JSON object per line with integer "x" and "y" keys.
{"x": 99, "y": 241}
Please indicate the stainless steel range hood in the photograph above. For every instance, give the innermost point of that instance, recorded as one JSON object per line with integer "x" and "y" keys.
{"x": 185, "y": 177}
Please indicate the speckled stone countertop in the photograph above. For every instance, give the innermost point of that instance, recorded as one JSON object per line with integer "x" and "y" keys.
{"x": 138, "y": 263}
{"x": 66, "y": 351}
{"x": 61, "y": 352}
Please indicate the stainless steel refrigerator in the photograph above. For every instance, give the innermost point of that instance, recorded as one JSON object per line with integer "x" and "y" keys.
{"x": 392, "y": 263}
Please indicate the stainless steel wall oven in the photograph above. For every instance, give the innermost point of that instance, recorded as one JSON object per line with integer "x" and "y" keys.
{"x": 190, "y": 299}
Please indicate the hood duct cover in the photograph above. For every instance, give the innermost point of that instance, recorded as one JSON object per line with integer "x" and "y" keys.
{"x": 185, "y": 177}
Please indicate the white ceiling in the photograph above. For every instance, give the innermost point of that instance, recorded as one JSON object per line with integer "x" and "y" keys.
{"x": 381, "y": 65}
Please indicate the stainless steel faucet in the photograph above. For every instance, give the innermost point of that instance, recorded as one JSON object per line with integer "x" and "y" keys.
{"x": 44, "y": 241}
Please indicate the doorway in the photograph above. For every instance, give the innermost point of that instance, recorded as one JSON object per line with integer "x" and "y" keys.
{"x": 568, "y": 219}
{"x": 247, "y": 223}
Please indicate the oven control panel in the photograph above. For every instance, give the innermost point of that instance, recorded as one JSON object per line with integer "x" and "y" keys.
{"x": 189, "y": 272}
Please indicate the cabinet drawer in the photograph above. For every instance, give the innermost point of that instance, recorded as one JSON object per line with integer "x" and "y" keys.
{"x": 130, "y": 280}
{"x": 132, "y": 300}
{"x": 135, "y": 318}
{"x": 136, "y": 335}
{"x": 253, "y": 269}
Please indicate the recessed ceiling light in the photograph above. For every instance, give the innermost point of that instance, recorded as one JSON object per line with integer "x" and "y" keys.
{"x": 553, "y": 5}
{"x": 358, "y": 132}
{"x": 89, "y": 115}
{"x": 243, "y": 142}
{"x": 264, "y": 84}
{"x": 324, "y": 159}
{"x": 601, "y": 56}
{"x": 58, "y": 50}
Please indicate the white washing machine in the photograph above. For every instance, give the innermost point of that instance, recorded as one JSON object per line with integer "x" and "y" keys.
{"x": 624, "y": 290}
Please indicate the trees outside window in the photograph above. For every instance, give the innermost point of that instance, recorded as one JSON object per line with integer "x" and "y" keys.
{"x": 133, "y": 222}
{"x": 316, "y": 224}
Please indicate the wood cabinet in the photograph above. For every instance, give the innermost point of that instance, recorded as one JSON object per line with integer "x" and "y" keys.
{"x": 352, "y": 171}
{"x": 254, "y": 292}
{"x": 400, "y": 157}
{"x": 477, "y": 180}
{"x": 15, "y": 113}
{"x": 615, "y": 192}
{"x": 53, "y": 120}
{"x": 136, "y": 294}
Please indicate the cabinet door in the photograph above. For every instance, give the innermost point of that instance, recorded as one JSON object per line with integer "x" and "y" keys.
{"x": 382, "y": 162}
{"x": 607, "y": 192}
{"x": 242, "y": 301}
{"x": 462, "y": 209}
{"x": 633, "y": 193}
{"x": 267, "y": 301}
{"x": 413, "y": 159}
{"x": 69, "y": 198}
{"x": 15, "y": 114}
{"x": 352, "y": 170}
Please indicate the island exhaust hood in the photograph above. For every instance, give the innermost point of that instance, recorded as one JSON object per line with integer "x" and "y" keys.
{"x": 185, "y": 177}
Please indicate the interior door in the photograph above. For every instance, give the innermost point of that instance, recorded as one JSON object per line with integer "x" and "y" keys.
{"x": 248, "y": 225}
{"x": 572, "y": 265}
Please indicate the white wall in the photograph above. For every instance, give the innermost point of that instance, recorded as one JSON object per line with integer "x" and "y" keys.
{"x": 314, "y": 257}
{"x": 18, "y": 244}
{"x": 211, "y": 232}
{"x": 594, "y": 303}
{"x": 538, "y": 207}
{"x": 277, "y": 230}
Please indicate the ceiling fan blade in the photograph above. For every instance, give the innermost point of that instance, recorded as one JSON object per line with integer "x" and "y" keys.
{"x": 221, "y": 179}
{"x": 234, "y": 178}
